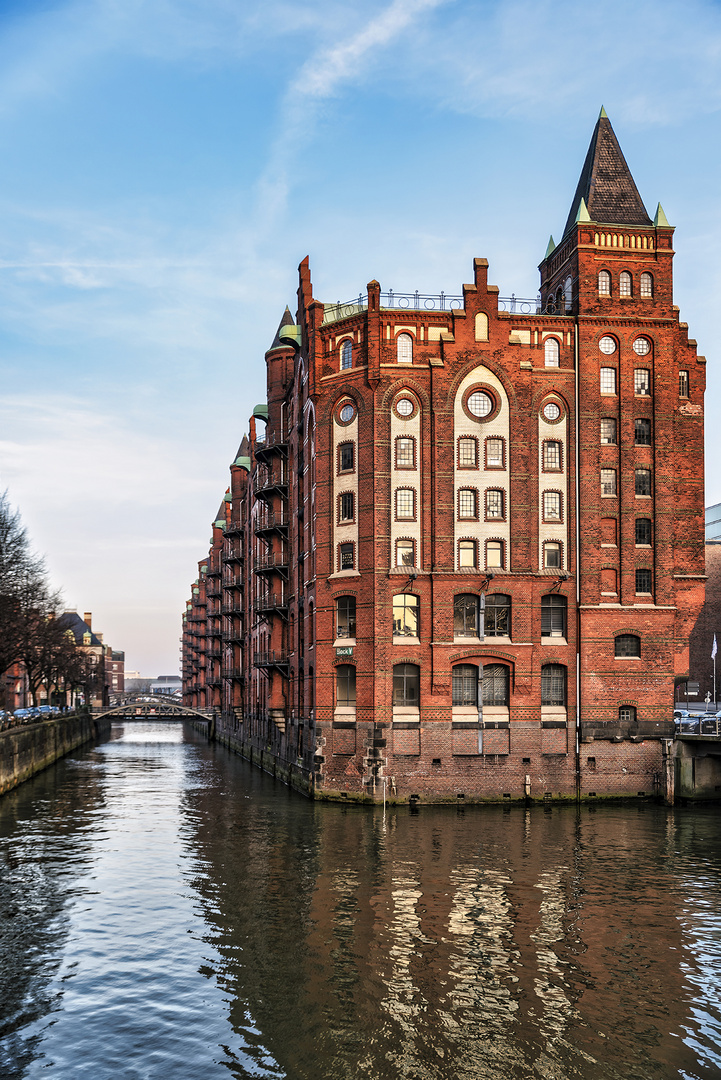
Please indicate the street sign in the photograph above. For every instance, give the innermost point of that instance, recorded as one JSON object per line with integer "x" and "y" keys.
{"x": 344, "y": 650}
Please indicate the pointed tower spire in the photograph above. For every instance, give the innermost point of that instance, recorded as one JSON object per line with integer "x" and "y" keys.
{"x": 583, "y": 214}
{"x": 660, "y": 218}
{"x": 287, "y": 320}
{"x": 551, "y": 246}
{"x": 606, "y": 185}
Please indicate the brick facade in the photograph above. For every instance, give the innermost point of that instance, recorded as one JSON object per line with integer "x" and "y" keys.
{"x": 421, "y": 460}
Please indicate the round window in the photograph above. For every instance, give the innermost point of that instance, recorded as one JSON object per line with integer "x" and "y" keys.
{"x": 551, "y": 410}
{"x": 607, "y": 345}
{"x": 347, "y": 413}
{"x": 642, "y": 346}
{"x": 404, "y": 407}
{"x": 480, "y": 403}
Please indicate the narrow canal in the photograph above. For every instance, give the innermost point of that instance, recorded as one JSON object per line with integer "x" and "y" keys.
{"x": 167, "y": 911}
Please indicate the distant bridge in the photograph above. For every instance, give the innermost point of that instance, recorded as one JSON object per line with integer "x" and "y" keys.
{"x": 148, "y": 706}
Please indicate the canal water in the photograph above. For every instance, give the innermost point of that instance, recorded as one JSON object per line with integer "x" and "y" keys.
{"x": 166, "y": 911}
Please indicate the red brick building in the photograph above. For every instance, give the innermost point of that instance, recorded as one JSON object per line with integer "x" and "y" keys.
{"x": 463, "y": 555}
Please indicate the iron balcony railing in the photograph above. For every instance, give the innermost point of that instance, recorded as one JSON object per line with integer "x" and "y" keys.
{"x": 232, "y": 579}
{"x": 271, "y": 522}
{"x": 418, "y": 301}
{"x": 266, "y": 479}
{"x": 272, "y": 560}
{"x": 234, "y": 609}
{"x": 234, "y": 528}
{"x": 271, "y": 602}
{"x": 270, "y": 659}
{"x": 271, "y": 443}
{"x": 234, "y": 550}
{"x": 236, "y": 673}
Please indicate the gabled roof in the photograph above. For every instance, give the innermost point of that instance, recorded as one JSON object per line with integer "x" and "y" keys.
{"x": 70, "y": 620}
{"x": 606, "y": 184}
{"x": 287, "y": 320}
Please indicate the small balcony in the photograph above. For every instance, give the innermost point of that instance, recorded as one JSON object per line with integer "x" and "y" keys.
{"x": 268, "y": 481}
{"x": 272, "y": 660}
{"x": 272, "y": 523}
{"x": 272, "y": 443}
{"x": 271, "y": 602}
{"x": 272, "y": 562}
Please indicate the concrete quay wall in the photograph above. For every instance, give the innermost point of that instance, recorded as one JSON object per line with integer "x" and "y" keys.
{"x": 25, "y": 751}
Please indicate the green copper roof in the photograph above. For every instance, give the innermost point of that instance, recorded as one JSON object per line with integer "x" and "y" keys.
{"x": 603, "y": 114}
{"x": 243, "y": 463}
{"x": 551, "y": 247}
{"x": 290, "y": 335}
{"x": 660, "y": 218}
{"x": 261, "y": 412}
{"x": 583, "y": 214}
{"x": 219, "y": 524}
{"x": 228, "y": 497}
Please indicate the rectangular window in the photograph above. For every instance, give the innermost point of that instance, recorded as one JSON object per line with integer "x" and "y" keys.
{"x": 465, "y": 615}
{"x": 345, "y": 617}
{"x": 345, "y": 457}
{"x": 405, "y": 615}
{"x": 494, "y": 453}
{"x": 405, "y": 504}
{"x": 345, "y": 686}
{"x": 467, "y": 503}
{"x": 643, "y": 481}
{"x": 551, "y": 506}
{"x": 405, "y": 453}
{"x": 494, "y": 505}
{"x": 642, "y": 432}
{"x": 683, "y": 384}
{"x": 552, "y": 555}
{"x": 405, "y": 553}
{"x": 346, "y": 556}
{"x": 643, "y": 581}
{"x": 494, "y": 554}
{"x": 346, "y": 503}
{"x": 608, "y": 380}
{"x": 608, "y": 481}
{"x": 553, "y": 616}
{"x": 608, "y": 432}
{"x": 467, "y": 453}
{"x": 642, "y": 382}
{"x": 552, "y": 456}
{"x": 643, "y": 532}
{"x": 465, "y": 684}
{"x": 466, "y": 553}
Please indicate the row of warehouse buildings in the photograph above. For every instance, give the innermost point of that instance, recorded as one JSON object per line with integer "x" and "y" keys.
{"x": 461, "y": 553}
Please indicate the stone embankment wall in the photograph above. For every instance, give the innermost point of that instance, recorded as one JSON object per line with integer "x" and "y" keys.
{"x": 296, "y": 774}
{"x": 25, "y": 751}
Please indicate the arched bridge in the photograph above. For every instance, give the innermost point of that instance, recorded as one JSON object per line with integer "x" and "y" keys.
{"x": 153, "y": 707}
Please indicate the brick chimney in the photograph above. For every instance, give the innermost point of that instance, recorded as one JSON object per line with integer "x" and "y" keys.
{"x": 88, "y": 618}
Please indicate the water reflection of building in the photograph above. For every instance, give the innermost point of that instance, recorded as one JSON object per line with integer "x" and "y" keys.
{"x": 449, "y": 529}
{"x": 445, "y": 946}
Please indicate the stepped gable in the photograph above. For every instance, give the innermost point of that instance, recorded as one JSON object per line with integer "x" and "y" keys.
{"x": 606, "y": 184}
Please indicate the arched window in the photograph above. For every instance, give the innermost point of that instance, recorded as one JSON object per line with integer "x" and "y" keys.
{"x": 646, "y": 289}
{"x": 346, "y": 355}
{"x": 604, "y": 283}
{"x": 465, "y": 684}
{"x": 404, "y": 349}
{"x": 345, "y": 686}
{"x": 345, "y": 617}
{"x": 467, "y": 554}
{"x": 627, "y": 645}
{"x": 481, "y": 326}
{"x": 311, "y": 625}
{"x": 552, "y": 355}
{"x": 624, "y": 284}
{"x": 465, "y": 615}
{"x": 553, "y": 615}
{"x": 497, "y": 619}
{"x": 553, "y": 684}
{"x": 406, "y": 686}
{"x": 406, "y": 609}
{"x": 495, "y": 684}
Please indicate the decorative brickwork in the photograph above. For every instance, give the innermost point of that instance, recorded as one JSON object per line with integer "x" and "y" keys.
{"x": 479, "y": 409}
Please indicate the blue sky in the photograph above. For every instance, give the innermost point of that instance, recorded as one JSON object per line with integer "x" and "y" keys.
{"x": 166, "y": 164}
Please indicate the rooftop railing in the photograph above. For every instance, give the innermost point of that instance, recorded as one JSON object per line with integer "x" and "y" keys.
{"x": 418, "y": 301}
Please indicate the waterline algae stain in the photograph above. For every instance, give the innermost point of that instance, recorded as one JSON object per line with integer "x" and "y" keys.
{"x": 169, "y": 911}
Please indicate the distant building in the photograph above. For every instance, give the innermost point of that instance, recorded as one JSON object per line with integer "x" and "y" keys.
{"x": 713, "y": 523}
{"x": 167, "y": 684}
